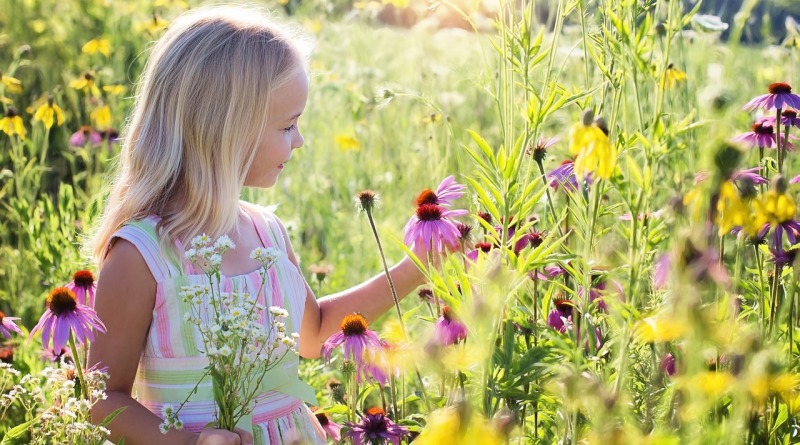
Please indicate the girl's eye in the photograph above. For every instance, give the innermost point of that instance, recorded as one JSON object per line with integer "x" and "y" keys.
{"x": 290, "y": 128}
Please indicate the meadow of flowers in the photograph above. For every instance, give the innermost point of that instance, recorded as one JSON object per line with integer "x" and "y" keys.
{"x": 604, "y": 195}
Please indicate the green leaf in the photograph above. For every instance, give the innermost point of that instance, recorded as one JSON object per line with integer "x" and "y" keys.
{"x": 110, "y": 418}
{"x": 18, "y": 430}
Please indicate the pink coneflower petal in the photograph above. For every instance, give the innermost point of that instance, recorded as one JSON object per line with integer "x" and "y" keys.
{"x": 448, "y": 330}
{"x": 449, "y": 190}
{"x": 7, "y": 325}
{"x": 354, "y": 337}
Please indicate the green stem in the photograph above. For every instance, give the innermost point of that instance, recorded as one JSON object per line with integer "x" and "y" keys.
{"x": 78, "y": 367}
{"x": 388, "y": 275}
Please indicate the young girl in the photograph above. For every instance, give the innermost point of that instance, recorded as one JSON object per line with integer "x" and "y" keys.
{"x": 217, "y": 109}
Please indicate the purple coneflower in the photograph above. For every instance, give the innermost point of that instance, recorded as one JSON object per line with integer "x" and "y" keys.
{"x": 448, "y": 330}
{"x": 355, "y": 337}
{"x": 84, "y": 134}
{"x": 599, "y": 290}
{"x": 668, "y": 364}
{"x": 661, "y": 271}
{"x": 64, "y": 315}
{"x": 751, "y": 174}
{"x": 332, "y": 429}
{"x": 762, "y": 135}
{"x": 84, "y": 286}
{"x": 539, "y": 151}
{"x": 533, "y": 239}
{"x": 7, "y": 325}
{"x": 376, "y": 429}
{"x": 431, "y": 227}
{"x": 780, "y": 95}
{"x": 479, "y": 247}
{"x": 560, "y": 318}
{"x": 448, "y": 191}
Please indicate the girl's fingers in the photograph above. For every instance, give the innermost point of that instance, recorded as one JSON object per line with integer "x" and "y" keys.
{"x": 247, "y": 438}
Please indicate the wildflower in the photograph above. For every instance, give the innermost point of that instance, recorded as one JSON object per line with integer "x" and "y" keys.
{"x": 7, "y": 354}
{"x": 449, "y": 426}
{"x": 777, "y": 209}
{"x": 780, "y": 95}
{"x": 7, "y": 325}
{"x": 366, "y": 200}
{"x": 64, "y": 315}
{"x": 99, "y": 45}
{"x": 659, "y": 329}
{"x": 732, "y": 210}
{"x": 750, "y": 174}
{"x": 320, "y": 271}
{"x": 375, "y": 428}
{"x": 709, "y": 23}
{"x": 448, "y": 191}
{"x": 347, "y": 142}
{"x": 355, "y": 337}
{"x": 12, "y": 124}
{"x": 668, "y": 364}
{"x": 83, "y": 285}
{"x": 762, "y": 135}
{"x": 101, "y": 117}
{"x": 448, "y": 329}
{"x": 539, "y": 150}
{"x": 564, "y": 176}
{"x": 86, "y": 83}
{"x": 83, "y": 135}
{"x": 48, "y": 113}
{"x": 54, "y": 356}
{"x": 11, "y": 84}
{"x": 115, "y": 90}
{"x": 713, "y": 383}
{"x": 594, "y": 153}
{"x": 332, "y": 429}
{"x": 486, "y": 217}
{"x": 661, "y": 272}
{"x": 431, "y": 227}
{"x": 560, "y": 318}
{"x": 672, "y": 76}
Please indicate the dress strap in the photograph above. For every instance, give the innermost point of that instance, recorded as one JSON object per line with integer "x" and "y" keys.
{"x": 143, "y": 234}
{"x": 267, "y": 227}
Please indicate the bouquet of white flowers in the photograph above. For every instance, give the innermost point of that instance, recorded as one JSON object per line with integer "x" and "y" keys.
{"x": 242, "y": 340}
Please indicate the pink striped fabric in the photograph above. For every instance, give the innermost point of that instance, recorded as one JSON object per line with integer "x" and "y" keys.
{"x": 172, "y": 354}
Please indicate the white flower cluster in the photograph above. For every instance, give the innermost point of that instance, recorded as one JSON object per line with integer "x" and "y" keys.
{"x": 171, "y": 420}
{"x": 65, "y": 417}
{"x": 208, "y": 255}
{"x": 267, "y": 256}
{"x": 241, "y": 338}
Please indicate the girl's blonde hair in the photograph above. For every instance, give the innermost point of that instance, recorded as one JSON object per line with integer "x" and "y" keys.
{"x": 201, "y": 106}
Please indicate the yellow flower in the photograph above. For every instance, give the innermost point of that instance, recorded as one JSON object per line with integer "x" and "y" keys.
{"x": 11, "y": 84}
{"x": 11, "y": 124}
{"x": 115, "y": 90}
{"x": 347, "y": 142}
{"x": 86, "y": 83}
{"x": 49, "y": 112}
{"x": 672, "y": 76}
{"x": 659, "y": 329}
{"x": 594, "y": 152}
{"x": 314, "y": 25}
{"x": 101, "y": 45}
{"x": 714, "y": 384}
{"x": 774, "y": 208}
{"x": 154, "y": 25}
{"x": 732, "y": 210}
{"x": 101, "y": 117}
{"x": 444, "y": 428}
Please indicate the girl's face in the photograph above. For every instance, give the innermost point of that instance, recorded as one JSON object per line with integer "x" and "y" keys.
{"x": 281, "y": 135}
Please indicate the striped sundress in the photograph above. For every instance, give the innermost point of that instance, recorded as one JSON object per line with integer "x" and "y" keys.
{"x": 172, "y": 361}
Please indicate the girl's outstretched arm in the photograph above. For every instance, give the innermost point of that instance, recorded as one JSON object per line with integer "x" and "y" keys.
{"x": 371, "y": 298}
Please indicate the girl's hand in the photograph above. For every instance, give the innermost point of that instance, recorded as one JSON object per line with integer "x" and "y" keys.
{"x": 212, "y": 436}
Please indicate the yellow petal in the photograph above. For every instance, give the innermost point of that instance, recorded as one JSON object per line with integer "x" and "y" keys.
{"x": 101, "y": 117}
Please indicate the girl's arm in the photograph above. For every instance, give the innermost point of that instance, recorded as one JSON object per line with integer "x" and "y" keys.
{"x": 371, "y": 298}
{"x": 126, "y": 292}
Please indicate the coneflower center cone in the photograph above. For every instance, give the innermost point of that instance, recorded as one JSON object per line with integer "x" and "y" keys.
{"x": 376, "y": 411}
{"x": 354, "y": 324}
{"x": 83, "y": 278}
{"x": 61, "y": 300}
{"x": 2, "y": 315}
{"x": 759, "y": 128}
{"x": 429, "y": 212}
{"x": 427, "y": 196}
{"x": 780, "y": 87}
{"x": 322, "y": 418}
